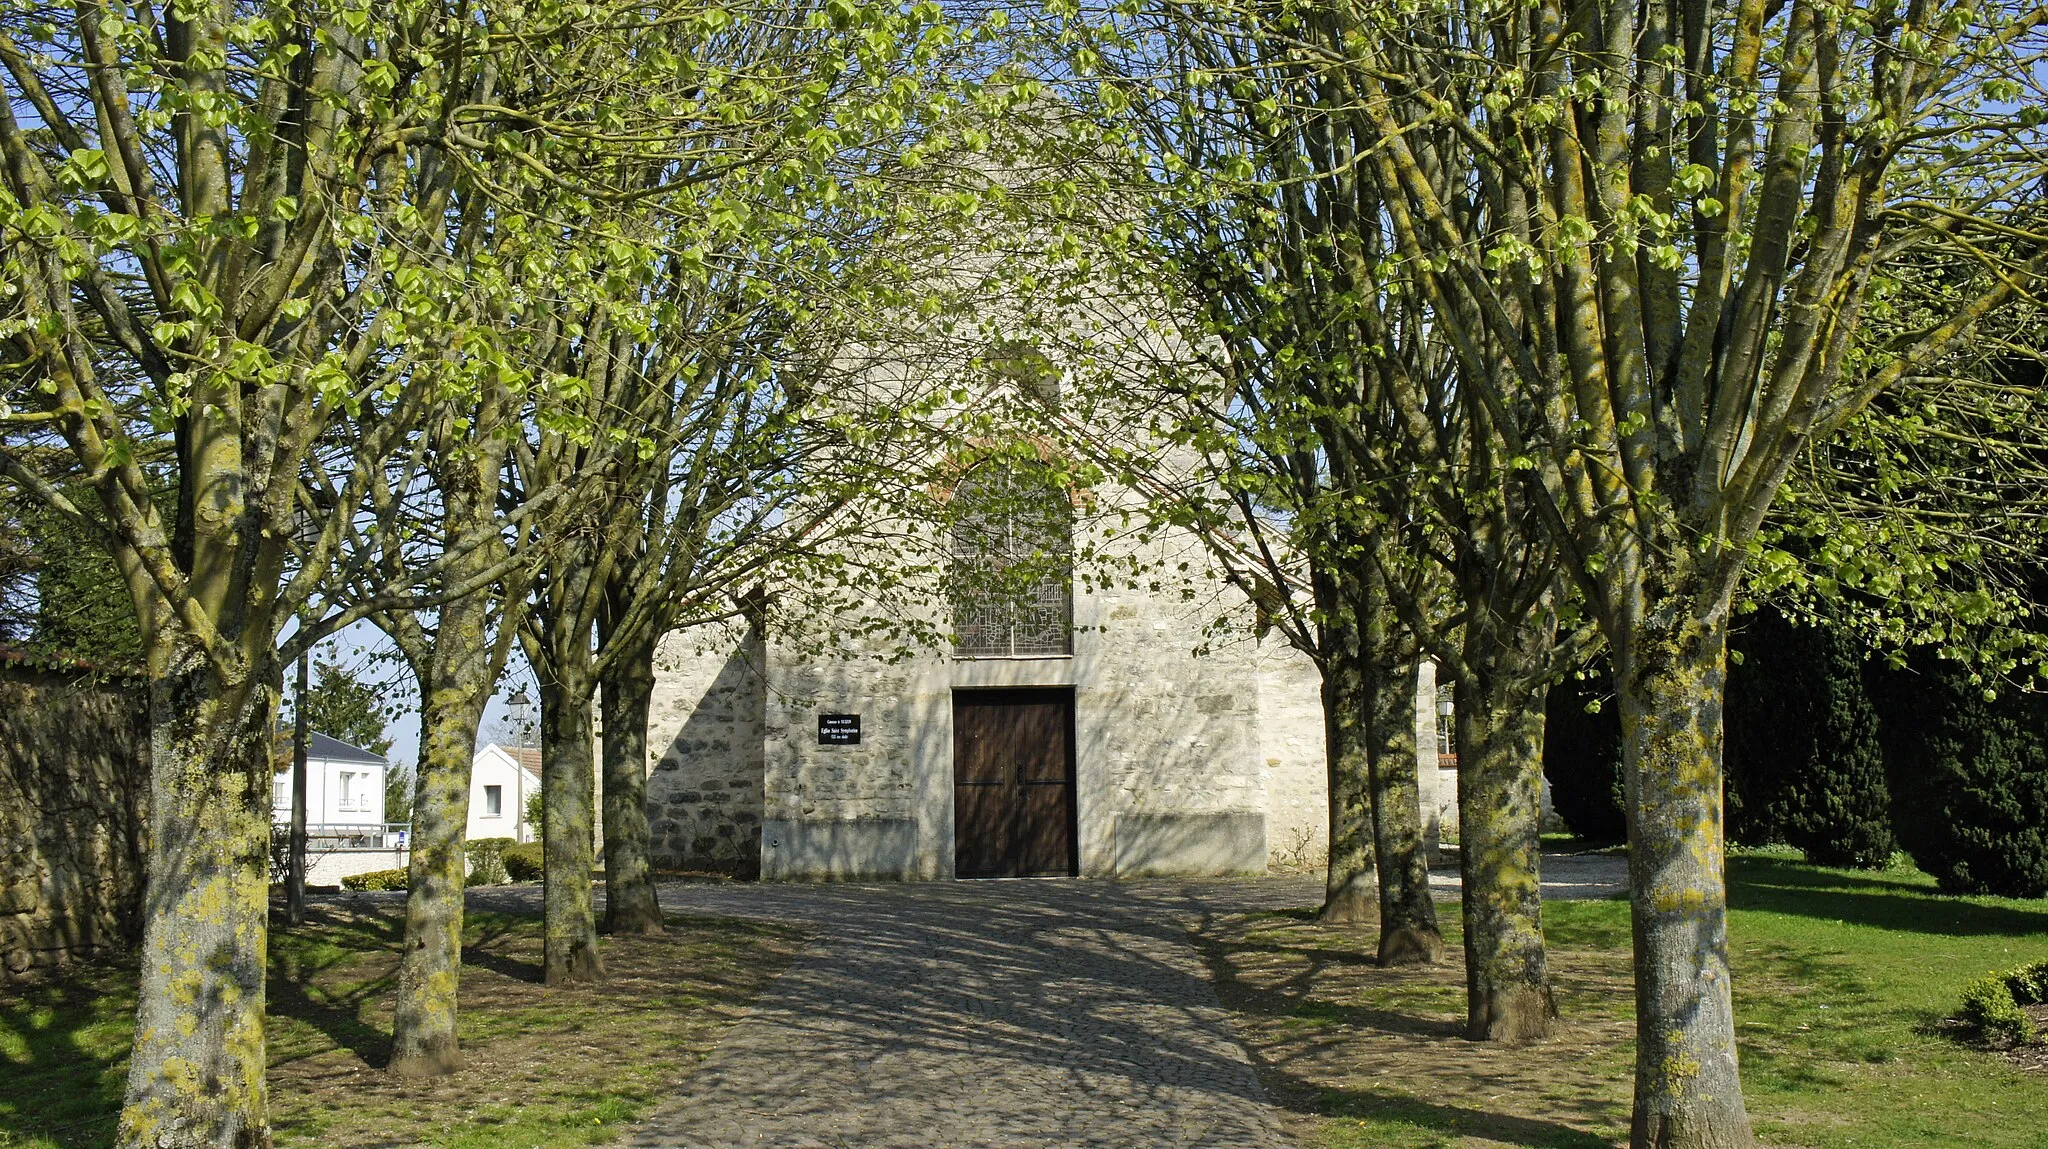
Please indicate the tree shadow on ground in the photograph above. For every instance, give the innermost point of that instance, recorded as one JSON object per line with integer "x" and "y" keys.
{"x": 1455, "y": 1120}
{"x": 320, "y": 977}
{"x": 487, "y": 948}
{"x": 336, "y": 1015}
{"x": 62, "y": 1070}
{"x": 1404, "y": 1023}
{"x": 1291, "y": 1000}
{"x": 1785, "y": 887}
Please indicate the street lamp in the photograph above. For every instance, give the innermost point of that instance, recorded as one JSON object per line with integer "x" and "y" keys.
{"x": 521, "y": 705}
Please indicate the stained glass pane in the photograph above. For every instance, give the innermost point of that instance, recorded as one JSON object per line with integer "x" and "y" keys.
{"x": 1012, "y": 584}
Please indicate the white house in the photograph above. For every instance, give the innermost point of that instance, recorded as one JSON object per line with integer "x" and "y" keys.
{"x": 344, "y": 787}
{"x": 500, "y": 780}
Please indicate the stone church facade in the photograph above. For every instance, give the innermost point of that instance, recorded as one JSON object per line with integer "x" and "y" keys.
{"x": 1126, "y": 754}
{"x": 1093, "y": 726}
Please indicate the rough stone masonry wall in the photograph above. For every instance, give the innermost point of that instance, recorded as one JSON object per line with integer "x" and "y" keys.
{"x": 1173, "y": 780}
{"x": 1291, "y": 744}
{"x": 74, "y": 785}
{"x": 705, "y": 726}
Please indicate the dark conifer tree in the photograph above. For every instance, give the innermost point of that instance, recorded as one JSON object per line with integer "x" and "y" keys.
{"x": 1971, "y": 778}
{"x": 1805, "y": 764}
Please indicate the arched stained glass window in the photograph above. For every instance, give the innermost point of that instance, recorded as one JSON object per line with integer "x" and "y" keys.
{"x": 1012, "y": 549}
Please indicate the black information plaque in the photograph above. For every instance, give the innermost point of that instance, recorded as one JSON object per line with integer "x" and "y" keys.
{"x": 838, "y": 729}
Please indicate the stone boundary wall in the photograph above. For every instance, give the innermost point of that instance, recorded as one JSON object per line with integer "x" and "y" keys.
{"x": 74, "y": 786}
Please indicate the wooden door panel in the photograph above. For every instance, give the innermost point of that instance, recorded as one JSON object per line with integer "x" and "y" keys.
{"x": 979, "y": 735}
{"x": 1043, "y": 830}
{"x": 981, "y": 822}
{"x": 1040, "y": 745}
{"x": 1013, "y": 770}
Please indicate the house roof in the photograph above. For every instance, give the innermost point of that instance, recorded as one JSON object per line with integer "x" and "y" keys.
{"x": 528, "y": 757}
{"x": 335, "y": 750}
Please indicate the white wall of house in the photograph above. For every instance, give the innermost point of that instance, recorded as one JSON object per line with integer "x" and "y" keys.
{"x": 499, "y": 784}
{"x": 340, "y": 791}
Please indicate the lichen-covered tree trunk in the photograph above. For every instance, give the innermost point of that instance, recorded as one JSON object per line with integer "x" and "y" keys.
{"x": 1408, "y": 927}
{"x": 1672, "y": 669}
{"x": 457, "y": 679}
{"x": 1500, "y": 777}
{"x": 1351, "y": 884}
{"x": 567, "y": 784}
{"x": 195, "y": 1072}
{"x": 457, "y": 665}
{"x": 629, "y": 896}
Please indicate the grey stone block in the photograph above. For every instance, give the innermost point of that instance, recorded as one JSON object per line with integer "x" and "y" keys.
{"x": 832, "y": 851}
{"x": 1189, "y": 845}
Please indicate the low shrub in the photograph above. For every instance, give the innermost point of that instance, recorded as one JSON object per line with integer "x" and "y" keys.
{"x": 522, "y": 861}
{"x": 1990, "y": 1008}
{"x": 486, "y": 861}
{"x": 376, "y": 880}
{"x": 2029, "y": 984}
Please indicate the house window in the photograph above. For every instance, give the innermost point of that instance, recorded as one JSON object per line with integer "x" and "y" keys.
{"x": 348, "y": 799}
{"x": 494, "y": 801}
{"x": 1012, "y": 548}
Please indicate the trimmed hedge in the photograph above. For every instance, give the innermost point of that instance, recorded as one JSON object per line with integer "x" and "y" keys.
{"x": 377, "y": 880}
{"x": 486, "y": 861}
{"x": 523, "y": 861}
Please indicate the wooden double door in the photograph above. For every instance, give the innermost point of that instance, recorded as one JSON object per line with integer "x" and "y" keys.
{"x": 1013, "y": 783}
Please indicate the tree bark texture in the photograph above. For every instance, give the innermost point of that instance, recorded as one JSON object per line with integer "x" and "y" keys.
{"x": 567, "y": 825}
{"x": 1672, "y": 670}
{"x": 1351, "y": 885}
{"x": 1500, "y": 778}
{"x": 195, "y": 1074}
{"x": 457, "y": 680}
{"x": 1408, "y": 927}
{"x": 628, "y": 689}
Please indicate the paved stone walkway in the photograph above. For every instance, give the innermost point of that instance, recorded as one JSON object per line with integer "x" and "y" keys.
{"x": 1006, "y": 1014}
{"x": 1000, "y": 1014}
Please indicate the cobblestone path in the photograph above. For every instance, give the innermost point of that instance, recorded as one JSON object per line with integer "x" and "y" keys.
{"x": 1006, "y": 1014}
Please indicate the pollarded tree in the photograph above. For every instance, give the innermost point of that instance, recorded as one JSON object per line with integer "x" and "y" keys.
{"x": 445, "y": 514}
{"x": 751, "y": 241}
{"x": 187, "y": 198}
{"x": 1670, "y": 219}
{"x": 213, "y": 221}
{"x": 1355, "y": 408}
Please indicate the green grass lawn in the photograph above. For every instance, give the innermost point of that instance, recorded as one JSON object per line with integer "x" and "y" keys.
{"x": 1842, "y": 981}
{"x": 542, "y": 1067}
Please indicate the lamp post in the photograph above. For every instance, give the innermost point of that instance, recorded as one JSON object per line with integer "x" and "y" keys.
{"x": 1446, "y": 738}
{"x": 521, "y": 706}
{"x": 295, "y": 874}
